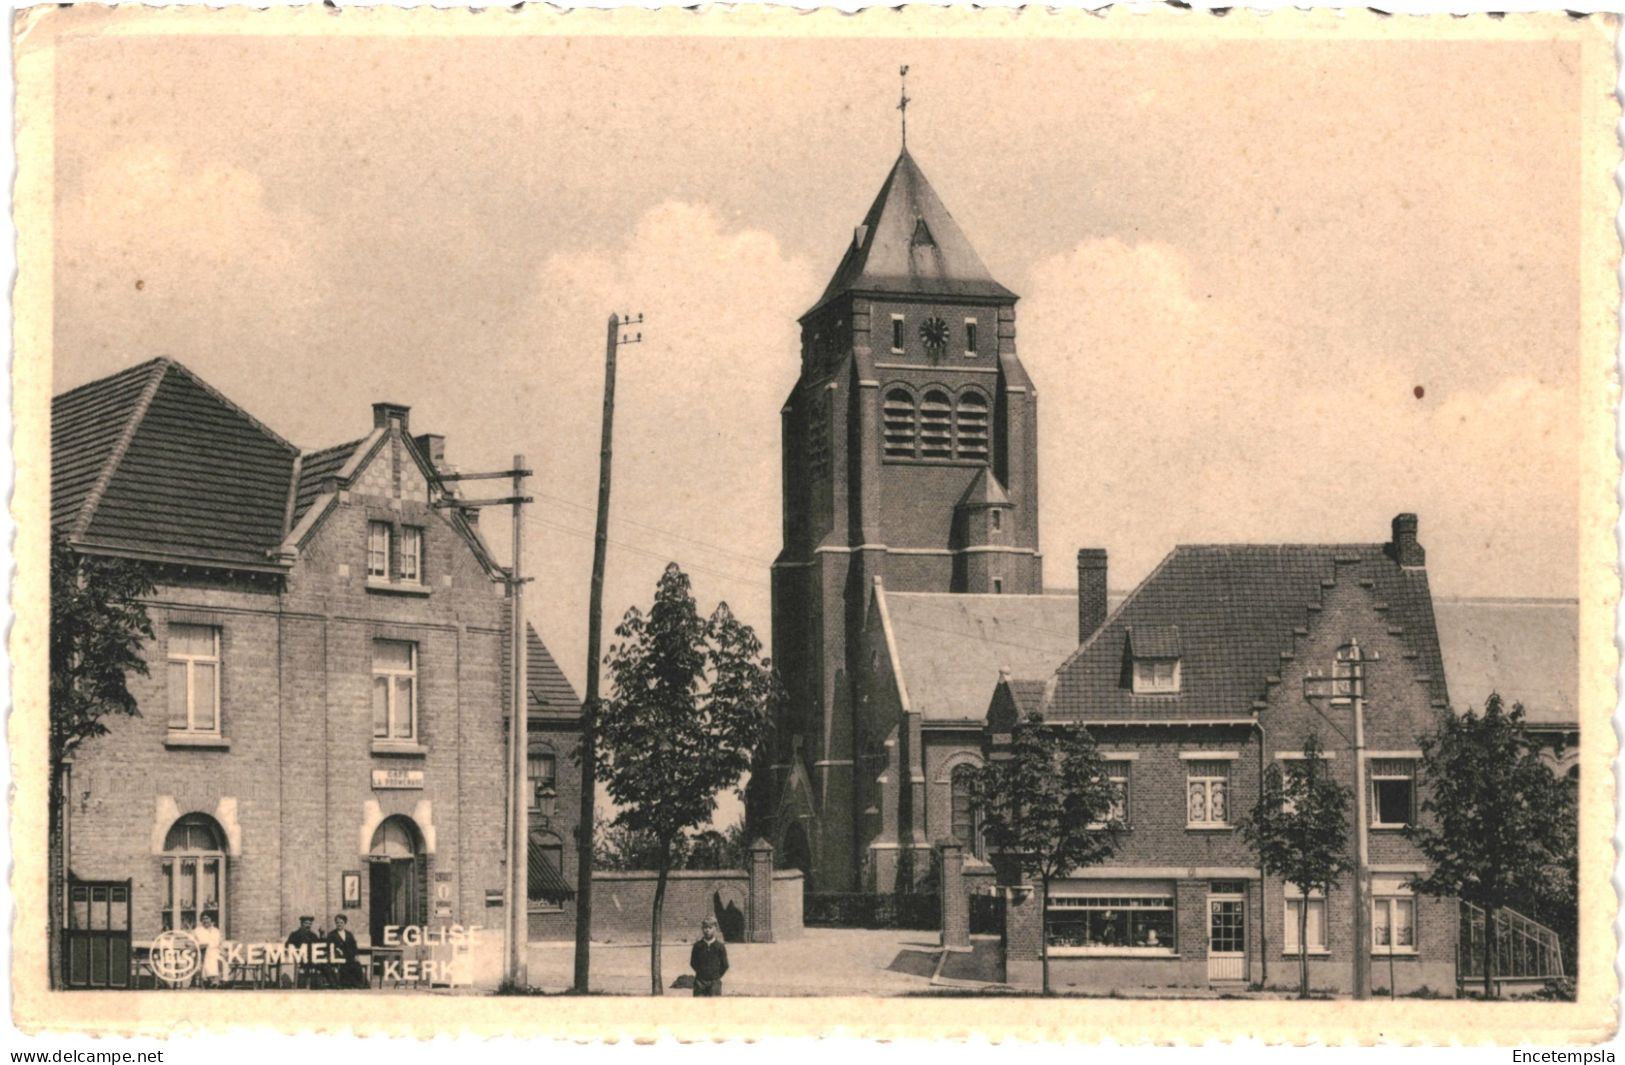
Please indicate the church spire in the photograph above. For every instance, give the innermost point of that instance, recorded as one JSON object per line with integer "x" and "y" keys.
{"x": 902, "y": 105}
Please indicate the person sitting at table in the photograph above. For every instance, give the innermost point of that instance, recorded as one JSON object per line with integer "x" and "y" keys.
{"x": 306, "y": 973}
{"x": 346, "y": 953}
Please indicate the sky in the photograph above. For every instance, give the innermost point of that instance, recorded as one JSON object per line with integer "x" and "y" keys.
{"x": 1270, "y": 292}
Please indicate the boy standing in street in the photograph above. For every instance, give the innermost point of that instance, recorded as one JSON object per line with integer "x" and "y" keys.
{"x": 709, "y": 960}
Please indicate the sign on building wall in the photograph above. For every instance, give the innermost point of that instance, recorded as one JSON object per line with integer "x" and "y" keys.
{"x": 397, "y": 778}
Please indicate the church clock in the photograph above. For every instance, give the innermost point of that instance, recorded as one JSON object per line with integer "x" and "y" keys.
{"x": 934, "y": 332}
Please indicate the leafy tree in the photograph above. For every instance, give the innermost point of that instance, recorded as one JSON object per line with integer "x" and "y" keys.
{"x": 1497, "y": 825}
{"x": 98, "y": 626}
{"x": 1300, "y": 829}
{"x": 691, "y": 698}
{"x": 711, "y": 849}
{"x": 619, "y": 848}
{"x": 1048, "y": 806}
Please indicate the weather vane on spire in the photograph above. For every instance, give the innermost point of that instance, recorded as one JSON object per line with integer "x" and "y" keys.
{"x": 902, "y": 105}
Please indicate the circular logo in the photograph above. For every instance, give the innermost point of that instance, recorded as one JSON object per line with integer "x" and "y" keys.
{"x": 175, "y": 957}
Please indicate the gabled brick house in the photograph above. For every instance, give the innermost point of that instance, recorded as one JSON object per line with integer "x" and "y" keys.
{"x": 1191, "y": 687}
{"x": 322, "y": 730}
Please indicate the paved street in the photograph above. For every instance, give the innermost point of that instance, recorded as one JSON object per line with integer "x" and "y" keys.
{"x": 822, "y": 961}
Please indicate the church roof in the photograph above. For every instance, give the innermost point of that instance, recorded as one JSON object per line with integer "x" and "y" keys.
{"x": 1528, "y": 650}
{"x": 984, "y": 491}
{"x": 910, "y": 245}
{"x": 951, "y": 648}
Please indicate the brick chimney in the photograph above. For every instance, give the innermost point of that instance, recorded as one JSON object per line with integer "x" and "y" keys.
{"x": 1404, "y": 548}
{"x": 1091, "y": 591}
{"x": 384, "y": 413}
{"x": 433, "y": 446}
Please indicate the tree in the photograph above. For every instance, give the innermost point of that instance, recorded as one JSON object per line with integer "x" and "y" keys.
{"x": 1048, "y": 807}
{"x": 98, "y": 626}
{"x": 1497, "y": 825}
{"x": 620, "y": 849}
{"x": 691, "y": 698}
{"x": 1300, "y": 829}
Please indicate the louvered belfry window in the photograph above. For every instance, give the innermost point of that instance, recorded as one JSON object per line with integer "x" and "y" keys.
{"x": 818, "y": 438}
{"x": 900, "y": 424}
{"x": 936, "y": 426}
{"x": 971, "y": 440}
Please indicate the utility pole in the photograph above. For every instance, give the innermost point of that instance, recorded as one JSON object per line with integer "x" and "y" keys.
{"x": 515, "y": 972}
{"x": 1347, "y": 684}
{"x": 595, "y": 623}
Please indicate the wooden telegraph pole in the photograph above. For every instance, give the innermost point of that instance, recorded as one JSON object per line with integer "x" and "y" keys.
{"x": 595, "y": 620}
{"x": 515, "y": 974}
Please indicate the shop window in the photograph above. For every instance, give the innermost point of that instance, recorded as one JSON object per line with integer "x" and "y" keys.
{"x": 1393, "y": 917}
{"x": 394, "y": 690}
{"x": 378, "y": 550}
{"x": 193, "y": 879}
{"x": 1393, "y": 792}
{"x": 1315, "y": 932}
{"x": 1207, "y": 792}
{"x": 194, "y": 679}
{"x": 1112, "y": 924}
{"x": 546, "y": 888}
{"x": 964, "y": 820}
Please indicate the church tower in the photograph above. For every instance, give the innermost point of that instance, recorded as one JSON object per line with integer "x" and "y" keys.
{"x": 909, "y": 454}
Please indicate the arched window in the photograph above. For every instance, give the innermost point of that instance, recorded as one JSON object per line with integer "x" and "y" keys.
{"x": 194, "y": 873}
{"x": 936, "y": 426}
{"x": 970, "y": 442}
{"x": 899, "y": 424}
{"x": 964, "y": 825}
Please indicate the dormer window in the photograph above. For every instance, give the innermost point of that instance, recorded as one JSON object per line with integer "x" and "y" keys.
{"x": 1155, "y": 653}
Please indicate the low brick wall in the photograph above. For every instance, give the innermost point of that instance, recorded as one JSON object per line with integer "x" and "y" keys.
{"x": 788, "y": 887}
{"x": 623, "y": 904}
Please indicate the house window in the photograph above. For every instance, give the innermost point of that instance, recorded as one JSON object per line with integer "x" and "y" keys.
{"x": 542, "y": 771}
{"x": 970, "y": 336}
{"x": 1393, "y": 792}
{"x": 964, "y": 824}
{"x": 1156, "y": 676}
{"x": 897, "y": 333}
{"x": 378, "y": 549}
{"x": 970, "y": 441}
{"x": 1111, "y": 924}
{"x": 899, "y": 424}
{"x": 1207, "y": 793}
{"x": 1117, "y": 773}
{"x": 411, "y": 554}
{"x": 1393, "y": 917}
{"x": 194, "y": 679}
{"x": 194, "y": 874}
{"x": 394, "y": 690}
{"x": 1315, "y": 931}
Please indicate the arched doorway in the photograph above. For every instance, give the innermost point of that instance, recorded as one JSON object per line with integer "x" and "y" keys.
{"x": 194, "y": 873}
{"x": 398, "y": 875}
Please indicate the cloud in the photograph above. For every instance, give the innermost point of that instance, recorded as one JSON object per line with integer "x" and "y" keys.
{"x": 147, "y": 241}
{"x": 696, "y": 460}
{"x": 1171, "y": 414}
